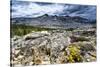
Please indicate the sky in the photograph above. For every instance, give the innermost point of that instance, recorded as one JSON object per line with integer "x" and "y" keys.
{"x": 34, "y": 9}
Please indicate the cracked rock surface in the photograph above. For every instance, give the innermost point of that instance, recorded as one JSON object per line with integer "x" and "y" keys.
{"x": 51, "y": 47}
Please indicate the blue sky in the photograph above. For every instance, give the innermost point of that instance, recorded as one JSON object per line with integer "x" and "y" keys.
{"x": 35, "y": 9}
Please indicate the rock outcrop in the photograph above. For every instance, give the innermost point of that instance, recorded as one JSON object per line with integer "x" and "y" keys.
{"x": 49, "y": 47}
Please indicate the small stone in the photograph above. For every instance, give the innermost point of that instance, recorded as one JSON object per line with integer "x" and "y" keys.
{"x": 20, "y": 56}
{"x": 46, "y": 62}
{"x": 15, "y": 59}
{"x": 31, "y": 63}
{"x": 16, "y": 52}
{"x": 88, "y": 60}
{"x": 67, "y": 51}
{"x": 38, "y": 61}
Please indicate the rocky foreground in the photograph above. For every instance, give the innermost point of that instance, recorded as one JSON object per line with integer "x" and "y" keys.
{"x": 53, "y": 47}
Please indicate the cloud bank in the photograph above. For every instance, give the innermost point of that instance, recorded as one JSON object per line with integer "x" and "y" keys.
{"x": 35, "y": 9}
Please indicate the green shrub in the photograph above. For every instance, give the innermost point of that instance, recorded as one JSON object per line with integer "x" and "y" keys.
{"x": 75, "y": 55}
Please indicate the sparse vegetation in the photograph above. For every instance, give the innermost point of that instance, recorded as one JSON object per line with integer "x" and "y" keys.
{"x": 82, "y": 39}
{"x": 75, "y": 55}
{"x": 69, "y": 29}
{"x": 88, "y": 33}
{"x": 23, "y": 29}
{"x": 77, "y": 39}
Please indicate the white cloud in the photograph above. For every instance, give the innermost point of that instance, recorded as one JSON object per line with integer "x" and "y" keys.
{"x": 33, "y": 9}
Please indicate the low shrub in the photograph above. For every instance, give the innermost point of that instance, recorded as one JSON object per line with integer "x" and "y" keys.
{"x": 74, "y": 55}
